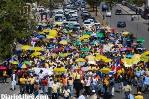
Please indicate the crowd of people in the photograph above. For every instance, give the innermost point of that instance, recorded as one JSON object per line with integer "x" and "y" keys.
{"x": 79, "y": 64}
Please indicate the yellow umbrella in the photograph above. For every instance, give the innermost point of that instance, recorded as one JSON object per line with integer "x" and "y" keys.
{"x": 100, "y": 57}
{"x": 136, "y": 58}
{"x": 107, "y": 60}
{"x": 26, "y": 47}
{"x": 14, "y": 62}
{"x": 35, "y": 54}
{"x": 41, "y": 32}
{"x": 84, "y": 37}
{"x": 105, "y": 70}
{"x": 53, "y": 33}
{"x": 146, "y": 53}
{"x": 50, "y": 37}
{"x": 24, "y": 66}
{"x": 80, "y": 60}
{"x": 54, "y": 55}
{"x": 46, "y": 31}
{"x": 58, "y": 23}
{"x": 37, "y": 49}
{"x": 90, "y": 57}
{"x": 62, "y": 69}
{"x": 125, "y": 33}
{"x": 127, "y": 62}
{"x": 63, "y": 42}
{"x": 42, "y": 57}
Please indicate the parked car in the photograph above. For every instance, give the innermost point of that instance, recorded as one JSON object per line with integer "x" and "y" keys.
{"x": 108, "y": 14}
{"x": 118, "y": 11}
{"x": 88, "y": 24}
{"x": 121, "y": 24}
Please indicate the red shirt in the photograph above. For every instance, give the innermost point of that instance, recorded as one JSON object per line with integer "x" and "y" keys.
{"x": 44, "y": 82}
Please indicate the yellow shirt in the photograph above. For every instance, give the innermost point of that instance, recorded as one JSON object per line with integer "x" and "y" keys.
{"x": 139, "y": 97}
{"x": 78, "y": 76}
{"x": 32, "y": 80}
{"x": 4, "y": 73}
{"x": 22, "y": 80}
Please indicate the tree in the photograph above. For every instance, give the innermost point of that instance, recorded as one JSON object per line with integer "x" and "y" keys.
{"x": 13, "y": 25}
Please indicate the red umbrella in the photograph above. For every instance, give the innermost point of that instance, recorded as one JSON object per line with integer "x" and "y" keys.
{"x": 2, "y": 68}
{"x": 57, "y": 50}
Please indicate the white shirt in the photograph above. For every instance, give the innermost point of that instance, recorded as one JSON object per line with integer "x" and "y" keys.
{"x": 81, "y": 97}
{"x": 50, "y": 83}
{"x": 13, "y": 77}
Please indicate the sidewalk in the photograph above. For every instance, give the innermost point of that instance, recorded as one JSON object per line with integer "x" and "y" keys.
{"x": 126, "y": 9}
{"x": 129, "y": 11}
{"x": 99, "y": 16}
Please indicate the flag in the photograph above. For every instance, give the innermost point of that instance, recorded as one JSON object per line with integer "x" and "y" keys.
{"x": 117, "y": 65}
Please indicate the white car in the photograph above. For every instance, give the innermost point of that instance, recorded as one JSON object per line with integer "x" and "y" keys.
{"x": 108, "y": 14}
{"x": 88, "y": 24}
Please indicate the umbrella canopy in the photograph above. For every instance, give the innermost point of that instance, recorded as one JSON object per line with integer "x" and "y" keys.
{"x": 57, "y": 50}
{"x": 77, "y": 43}
{"x": 63, "y": 42}
{"x": 100, "y": 35}
{"x": 140, "y": 40}
{"x": 40, "y": 36}
{"x": 14, "y": 62}
{"x": 85, "y": 49}
{"x": 26, "y": 47}
{"x": 35, "y": 54}
{"x": 50, "y": 37}
{"x": 136, "y": 58}
{"x": 80, "y": 60}
{"x": 23, "y": 66}
{"x": 62, "y": 69}
{"x": 64, "y": 54}
{"x": 129, "y": 56}
{"x": 145, "y": 57}
{"x": 37, "y": 48}
{"x": 128, "y": 62}
{"x": 53, "y": 33}
{"x": 58, "y": 23}
{"x": 126, "y": 33}
{"x": 88, "y": 33}
{"x": 46, "y": 30}
{"x": 3, "y": 68}
{"x": 27, "y": 63}
{"x": 105, "y": 70}
{"x": 85, "y": 37}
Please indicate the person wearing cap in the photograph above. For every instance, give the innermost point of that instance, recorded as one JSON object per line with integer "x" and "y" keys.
{"x": 50, "y": 84}
{"x": 93, "y": 95}
{"x": 139, "y": 96}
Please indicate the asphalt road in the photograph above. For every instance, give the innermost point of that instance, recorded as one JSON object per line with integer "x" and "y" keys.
{"x": 138, "y": 27}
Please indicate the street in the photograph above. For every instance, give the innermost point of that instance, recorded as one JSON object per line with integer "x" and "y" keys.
{"x": 138, "y": 27}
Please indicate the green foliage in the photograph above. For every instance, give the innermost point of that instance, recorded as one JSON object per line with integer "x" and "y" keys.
{"x": 137, "y": 2}
{"x": 13, "y": 25}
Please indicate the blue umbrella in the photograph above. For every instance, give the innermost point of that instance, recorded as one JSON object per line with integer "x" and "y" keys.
{"x": 20, "y": 65}
{"x": 40, "y": 36}
{"x": 129, "y": 56}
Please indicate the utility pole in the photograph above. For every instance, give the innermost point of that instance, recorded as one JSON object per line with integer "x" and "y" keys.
{"x": 96, "y": 6}
{"x": 50, "y": 7}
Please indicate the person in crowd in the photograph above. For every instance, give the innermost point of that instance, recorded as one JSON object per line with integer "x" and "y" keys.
{"x": 22, "y": 81}
{"x": 50, "y": 85}
{"x": 66, "y": 93}
{"x": 54, "y": 90}
{"x": 93, "y": 95}
{"x": 36, "y": 88}
{"x": 127, "y": 89}
{"x": 13, "y": 81}
{"x": 139, "y": 96}
{"x": 5, "y": 76}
